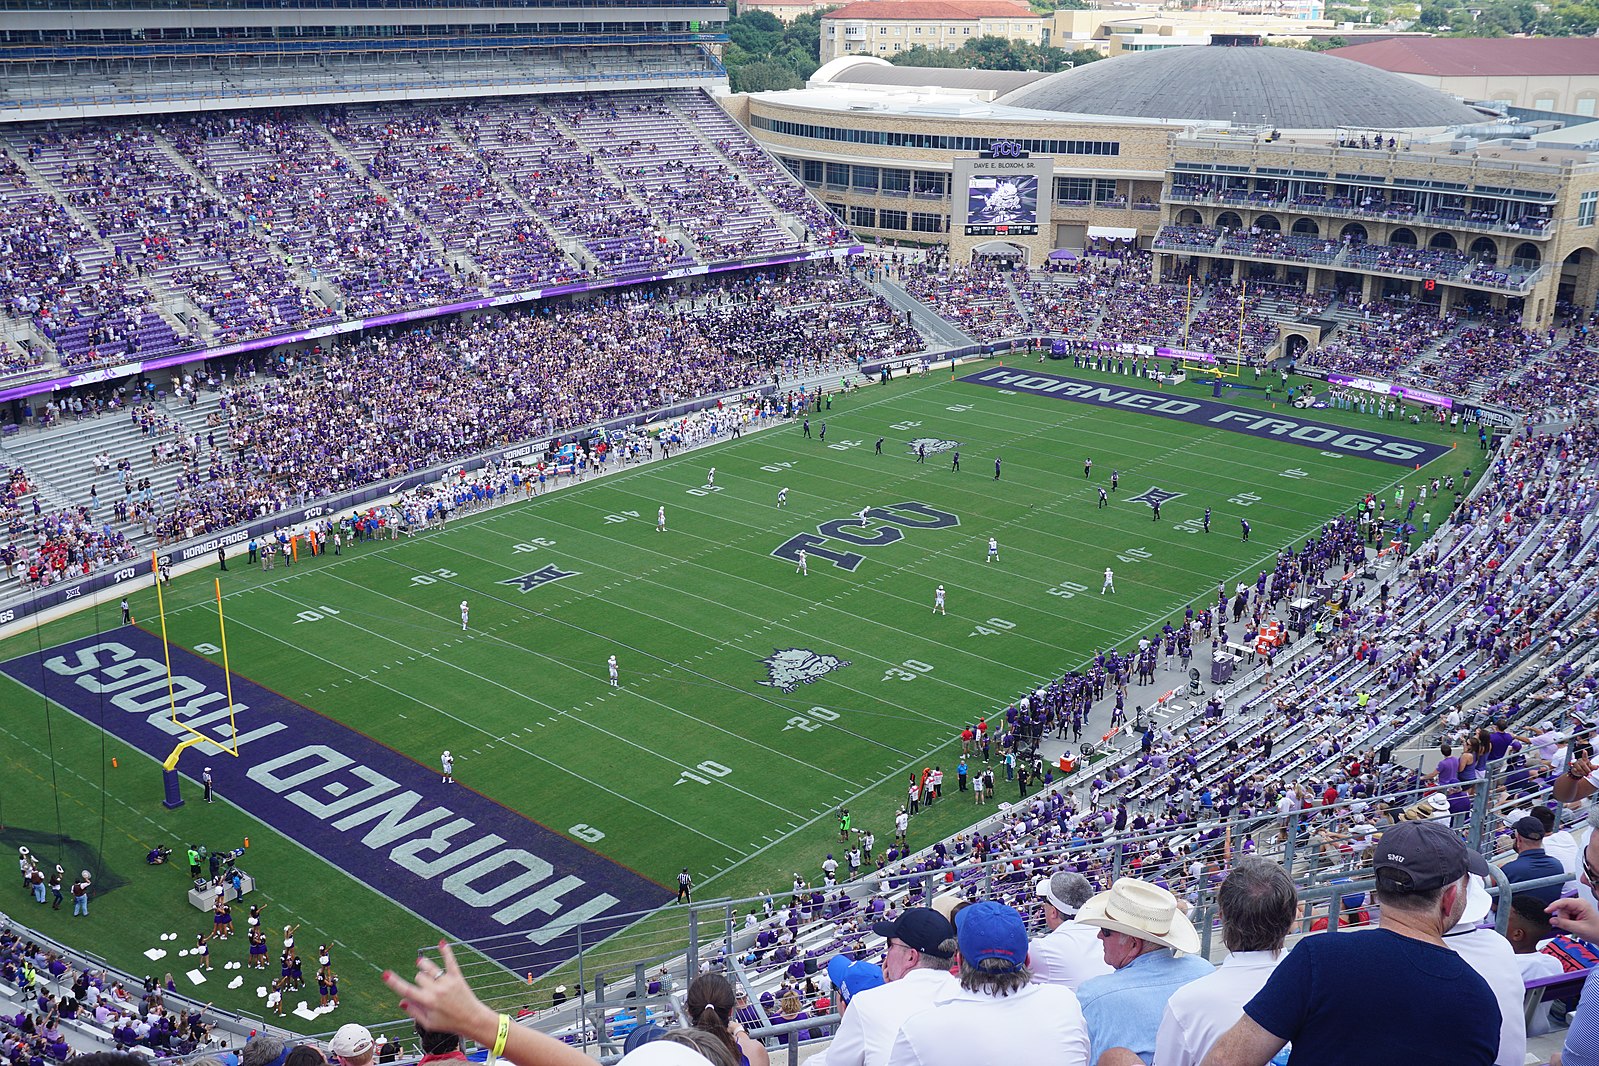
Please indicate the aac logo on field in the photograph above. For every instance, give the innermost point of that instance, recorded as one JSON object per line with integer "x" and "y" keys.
{"x": 933, "y": 445}
{"x": 529, "y": 582}
{"x": 789, "y": 668}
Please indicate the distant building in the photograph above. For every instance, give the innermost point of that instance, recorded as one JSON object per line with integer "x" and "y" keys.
{"x": 1559, "y": 74}
{"x": 1146, "y": 29}
{"x": 884, "y": 27}
{"x": 1278, "y": 167}
{"x": 784, "y": 10}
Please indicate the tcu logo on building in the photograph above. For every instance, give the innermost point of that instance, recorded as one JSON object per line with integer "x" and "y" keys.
{"x": 1006, "y": 150}
{"x": 880, "y": 526}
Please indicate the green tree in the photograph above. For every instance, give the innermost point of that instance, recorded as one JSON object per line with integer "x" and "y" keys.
{"x": 764, "y": 75}
{"x": 1437, "y": 14}
{"x": 997, "y": 53}
{"x": 764, "y": 54}
{"x": 923, "y": 56}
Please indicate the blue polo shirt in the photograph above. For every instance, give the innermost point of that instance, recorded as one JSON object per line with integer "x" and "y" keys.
{"x": 1124, "y": 1008}
{"x": 1531, "y": 865}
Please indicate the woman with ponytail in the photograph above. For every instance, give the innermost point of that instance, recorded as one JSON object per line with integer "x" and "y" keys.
{"x": 709, "y": 1006}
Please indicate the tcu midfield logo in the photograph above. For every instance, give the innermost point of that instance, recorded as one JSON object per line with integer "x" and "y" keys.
{"x": 789, "y": 668}
{"x": 933, "y": 445}
{"x": 878, "y": 526}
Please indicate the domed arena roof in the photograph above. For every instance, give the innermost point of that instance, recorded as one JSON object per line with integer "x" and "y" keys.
{"x": 1285, "y": 88}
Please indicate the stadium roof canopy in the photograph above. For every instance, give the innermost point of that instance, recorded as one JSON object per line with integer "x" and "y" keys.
{"x": 1284, "y": 88}
{"x": 1479, "y": 57}
{"x": 869, "y": 70}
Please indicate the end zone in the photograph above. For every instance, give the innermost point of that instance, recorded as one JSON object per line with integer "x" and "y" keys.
{"x": 1323, "y": 436}
{"x": 451, "y": 856}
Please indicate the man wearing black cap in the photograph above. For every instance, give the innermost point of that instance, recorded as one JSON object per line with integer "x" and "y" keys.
{"x": 1532, "y": 862}
{"x": 1334, "y": 995}
{"x": 921, "y": 945}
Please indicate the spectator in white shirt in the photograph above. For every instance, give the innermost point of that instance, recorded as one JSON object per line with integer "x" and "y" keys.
{"x": 921, "y": 944}
{"x": 1495, "y": 961}
{"x": 1529, "y": 927}
{"x": 1068, "y": 954}
{"x": 999, "y": 1013}
{"x": 1258, "y": 905}
{"x": 1558, "y": 843}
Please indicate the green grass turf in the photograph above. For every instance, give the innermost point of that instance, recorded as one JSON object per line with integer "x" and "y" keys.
{"x": 523, "y": 701}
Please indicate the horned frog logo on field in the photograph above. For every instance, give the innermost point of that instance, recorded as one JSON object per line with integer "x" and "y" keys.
{"x": 789, "y": 668}
{"x": 933, "y": 445}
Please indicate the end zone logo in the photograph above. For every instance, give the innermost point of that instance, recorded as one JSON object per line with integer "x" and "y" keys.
{"x": 789, "y": 668}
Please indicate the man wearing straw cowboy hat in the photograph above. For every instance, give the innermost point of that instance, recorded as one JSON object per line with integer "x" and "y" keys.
{"x": 1150, "y": 944}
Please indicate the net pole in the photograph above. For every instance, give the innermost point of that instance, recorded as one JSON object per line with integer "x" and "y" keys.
{"x": 166, "y": 648}
{"x": 1188, "y": 310}
{"x": 1238, "y": 359}
{"x": 227, "y": 672}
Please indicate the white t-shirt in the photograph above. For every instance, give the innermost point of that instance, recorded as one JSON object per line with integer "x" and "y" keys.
{"x": 1199, "y": 1012}
{"x": 1493, "y": 958}
{"x": 975, "y": 1028}
{"x": 1068, "y": 956}
{"x": 874, "y": 1017}
{"x": 1533, "y": 966}
{"x": 1563, "y": 846}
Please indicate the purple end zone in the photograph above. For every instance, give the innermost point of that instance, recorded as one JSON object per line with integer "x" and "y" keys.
{"x": 470, "y": 866}
{"x": 1284, "y": 425}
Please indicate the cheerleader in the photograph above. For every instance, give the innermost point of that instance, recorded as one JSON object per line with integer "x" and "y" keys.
{"x": 258, "y": 949}
{"x": 202, "y": 947}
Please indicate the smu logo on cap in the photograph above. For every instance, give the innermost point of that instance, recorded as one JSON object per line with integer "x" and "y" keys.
{"x": 1391, "y": 857}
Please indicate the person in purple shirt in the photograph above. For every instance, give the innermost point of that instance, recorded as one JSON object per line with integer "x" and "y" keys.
{"x": 1447, "y": 772}
{"x": 1500, "y": 740}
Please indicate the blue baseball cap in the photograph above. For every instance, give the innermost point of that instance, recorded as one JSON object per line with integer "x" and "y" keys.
{"x": 837, "y": 966}
{"x": 860, "y": 977}
{"x": 990, "y": 930}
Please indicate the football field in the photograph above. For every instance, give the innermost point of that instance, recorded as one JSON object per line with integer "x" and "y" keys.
{"x": 752, "y": 700}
